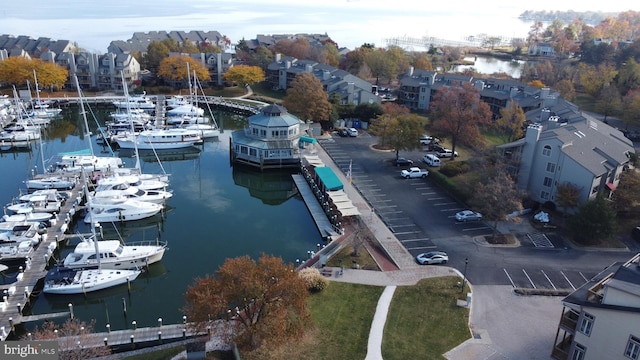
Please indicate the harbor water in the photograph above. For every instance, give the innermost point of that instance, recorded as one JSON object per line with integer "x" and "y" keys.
{"x": 217, "y": 212}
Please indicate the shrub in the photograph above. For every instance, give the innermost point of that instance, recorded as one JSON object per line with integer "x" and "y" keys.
{"x": 453, "y": 168}
{"x": 313, "y": 279}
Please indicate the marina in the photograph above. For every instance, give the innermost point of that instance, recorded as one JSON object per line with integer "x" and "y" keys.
{"x": 238, "y": 203}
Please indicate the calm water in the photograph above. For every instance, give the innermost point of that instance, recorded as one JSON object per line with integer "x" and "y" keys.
{"x": 490, "y": 65}
{"x": 216, "y": 212}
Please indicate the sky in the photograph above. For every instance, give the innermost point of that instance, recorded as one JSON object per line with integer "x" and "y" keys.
{"x": 93, "y": 25}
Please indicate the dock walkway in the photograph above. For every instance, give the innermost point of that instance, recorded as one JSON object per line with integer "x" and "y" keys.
{"x": 317, "y": 212}
{"x": 19, "y": 293}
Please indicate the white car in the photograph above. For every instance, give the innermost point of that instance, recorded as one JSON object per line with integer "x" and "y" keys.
{"x": 353, "y": 132}
{"x": 468, "y": 215}
{"x": 433, "y": 257}
{"x": 414, "y": 172}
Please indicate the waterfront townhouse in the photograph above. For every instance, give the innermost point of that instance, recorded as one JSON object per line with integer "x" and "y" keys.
{"x": 563, "y": 145}
{"x": 600, "y": 319}
{"x": 417, "y": 87}
{"x": 349, "y": 88}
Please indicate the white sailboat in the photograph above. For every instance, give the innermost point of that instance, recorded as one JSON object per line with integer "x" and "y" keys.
{"x": 66, "y": 281}
{"x": 113, "y": 254}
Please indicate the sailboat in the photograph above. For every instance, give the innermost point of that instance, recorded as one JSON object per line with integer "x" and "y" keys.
{"x": 205, "y": 128}
{"x": 66, "y": 281}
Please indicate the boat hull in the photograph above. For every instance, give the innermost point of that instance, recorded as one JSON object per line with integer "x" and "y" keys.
{"x": 84, "y": 281}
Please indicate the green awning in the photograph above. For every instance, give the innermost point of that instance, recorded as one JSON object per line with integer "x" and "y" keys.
{"x": 328, "y": 178}
{"x": 307, "y": 139}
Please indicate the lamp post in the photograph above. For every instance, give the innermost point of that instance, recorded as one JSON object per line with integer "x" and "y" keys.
{"x": 464, "y": 274}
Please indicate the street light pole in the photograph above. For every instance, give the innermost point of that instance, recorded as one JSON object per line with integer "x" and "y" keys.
{"x": 464, "y": 274}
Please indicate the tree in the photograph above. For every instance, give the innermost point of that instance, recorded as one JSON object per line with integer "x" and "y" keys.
{"x": 366, "y": 111}
{"x": 567, "y": 196}
{"x": 631, "y": 108}
{"x": 511, "y": 121}
{"x": 628, "y": 76}
{"x": 307, "y": 99}
{"x": 174, "y": 68}
{"x": 378, "y": 62}
{"x": 265, "y": 300}
{"x": 595, "y": 219}
{"x": 18, "y": 70}
{"x": 404, "y": 132}
{"x": 156, "y": 52}
{"x": 74, "y": 339}
{"x": 593, "y": 79}
{"x": 244, "y": 75}
{"x": 262, "y": 57}
{"x": 459, "y": 113}
{"x": 566, "y": 89}
{"x": 497, "y": 197}
{"x": 626, "y": 197}
{"x": 609, "y": 101}
{"x": 379, "y": 126}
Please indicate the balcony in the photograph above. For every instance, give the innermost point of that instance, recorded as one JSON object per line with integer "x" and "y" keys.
{"x": 569, "y": 321}
{"x": 561, "y": 350}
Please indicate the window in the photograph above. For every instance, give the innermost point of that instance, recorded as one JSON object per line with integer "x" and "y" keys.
{"x": 548, "y": 181}
{"x": 578, "y": 352}
{"x": 544, "y": 195}
{"x": 633, "y": 348}
{"x": 586, "y": 324}
{"x": 551, "y": 167}
{"x": 546, "y": 150}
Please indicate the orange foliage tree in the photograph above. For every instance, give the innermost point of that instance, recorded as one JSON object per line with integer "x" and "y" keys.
{"x": 174, "y": 68}
{"x": 264, "y": 300}
{"x": 458, "y": 112}
{"x": 17, "y": 70}
{"x": 74, "y": 339}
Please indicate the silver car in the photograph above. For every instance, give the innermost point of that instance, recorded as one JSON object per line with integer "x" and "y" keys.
{"x": 468, "y": 215}
{"x": 433, "y": 257}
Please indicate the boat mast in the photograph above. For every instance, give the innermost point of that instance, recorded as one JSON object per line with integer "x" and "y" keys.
{"x": 93, "y": 225}
{"x": 133, "y": 130}
{"x": 84, "y": 114}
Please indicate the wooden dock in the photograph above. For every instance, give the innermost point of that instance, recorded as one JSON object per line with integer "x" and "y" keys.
{"x": 17, "y": 295}
{"x": 317, "y": 212}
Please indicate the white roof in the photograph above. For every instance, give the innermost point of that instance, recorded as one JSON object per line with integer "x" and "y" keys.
{"x": 314, "y": 160}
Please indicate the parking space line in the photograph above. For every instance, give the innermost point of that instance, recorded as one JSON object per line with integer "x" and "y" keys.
{"x": 527, "y": 275}
{"x": 569, "y": 281}
{"x": 392, "y": 212}
{"x": 422, "y": 247}
{"x": 509, "y": 277}
{"x": 423, "y": 188}
{"x": 549, "y": 280}
{"x": 444, "y": 204}
{"x": 584, "y": 277}
{"x": 404, "y": 225}
{"x": 477, "y": 228}
{"x": 407, "y": 232}
{"x": 409, "y": 240}
{"x": 378, "y": 206}
{"x": 451, "y": 209}
{"x": 435, "y": 198}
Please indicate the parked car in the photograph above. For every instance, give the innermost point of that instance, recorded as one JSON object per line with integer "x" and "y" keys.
{"x": 414, "y": 172}
{"x": 436, "y": 148}
{"x": 447, "y": 153}
{"x": 431, "y": 160}
{"x": 353, "y": 132}
{"x": 433, "y": 257}
{"x": 426, "y": 140}
{"x": 343, "y": 132}
{"x": 468, "y": 215}
{"x": 402, "y": 162}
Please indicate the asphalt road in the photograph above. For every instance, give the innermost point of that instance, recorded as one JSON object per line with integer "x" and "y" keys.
{"x": 421, "y": 215}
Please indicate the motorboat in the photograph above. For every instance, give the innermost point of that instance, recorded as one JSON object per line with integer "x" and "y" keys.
{"x": 185, "y": 110}
{"x": 11, "y": 232}
{"x": 132, "y": 192}
{"x": 50, "y": 194}
{"x": 158, "y": 139}
{"x": 123, "y": 210}
{"x": 206, "y": 131}
{"x": 36, "y": 203}
{"x": 114, "y": 254}
{"x": 176, "y": 100}
{"x": 32, "y": 217}
{"x": 122, "y": 182}
{"x": 140, "y": 101}
{"x": 51, "y": 182}
{"x": 64, "y": 281}
{"x": 76, "y": 163}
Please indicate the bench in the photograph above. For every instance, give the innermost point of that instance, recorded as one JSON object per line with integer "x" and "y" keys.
{"x": 328, "y": 272}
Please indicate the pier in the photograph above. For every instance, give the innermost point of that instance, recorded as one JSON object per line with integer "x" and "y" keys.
{"x": 17, "y": 295}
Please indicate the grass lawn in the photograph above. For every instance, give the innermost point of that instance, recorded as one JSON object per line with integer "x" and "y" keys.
{"x": 424, "y": 321}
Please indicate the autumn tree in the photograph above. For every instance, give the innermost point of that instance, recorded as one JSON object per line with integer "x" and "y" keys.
{"x": 264, "y": 300}
{"x": 75, "y": 340}
{"x": 631, "y": 108}
{"x": 457, "y": 112}
{"x": 628, "y": 76}
{"x": 404, "y": 132}
{"x": 609, "y": 101}
{"x": 594, "y": 221}
{"x": 593, "y": 79}
{"x": 244, "y": 75}
{"x": 17, "y": 70}
{"x": 511, "y": 121}
{"x": 156, "y": 52}
{"x": 566, "y": 89}
{"x": 567, "y": 196}
{"x": 307, "y": 99}
{"x": 379, "y": 125}
{"x": 626, "y": 197}
{"x": 174, "y": 68}
{"x": 497, "y": 196}
{"x": 378, "y": 63}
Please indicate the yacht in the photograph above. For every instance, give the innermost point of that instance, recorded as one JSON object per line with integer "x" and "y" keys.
{"x": 134, "y": 193}
{"x": 36, "y": 203}
{"x": 64, "y": 281}
{"x": 115, "y": 255}
{"x": 122, "y": 210}
{"x": 140, "y": 101}
{"x": 158, "y": 139}
{"x": 51, "y": 182}
{"x": 122, "y": 182}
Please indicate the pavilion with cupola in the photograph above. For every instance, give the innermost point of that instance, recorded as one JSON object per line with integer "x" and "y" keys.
{"x": 272, "y": 139}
